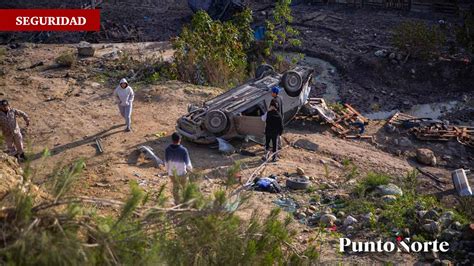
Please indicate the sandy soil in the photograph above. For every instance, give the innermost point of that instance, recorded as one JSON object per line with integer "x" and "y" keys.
{"x": 69, "y": 108}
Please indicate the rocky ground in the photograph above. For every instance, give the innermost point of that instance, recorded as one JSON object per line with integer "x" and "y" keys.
{"x": 70, "y": 107}
{"x": 355, "y": 62}
{"x": 375, "y": 76}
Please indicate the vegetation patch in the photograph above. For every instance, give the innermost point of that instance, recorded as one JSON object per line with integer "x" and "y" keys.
{"x": 66, "y": 59}
{"x": 213, "y": 53}
{"x": 465, "y": 32}
{"x": 61, "y": 229}
{"x": 418, "y": 39}
{"x": 370, "y": 182}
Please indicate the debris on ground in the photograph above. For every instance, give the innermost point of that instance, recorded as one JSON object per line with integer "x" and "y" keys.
{"x": 346, "y": 121}
{"x": 98, "y": 143}
{"x": 225, "y": 147}
{"x": 297, "y": 183}
{"x": 266, "y": 184}
{"x": 428, "y": 129}
{"x": 287, "y": 204}
{"x": 461, "y": 183}
{"x": 150, "y": 155}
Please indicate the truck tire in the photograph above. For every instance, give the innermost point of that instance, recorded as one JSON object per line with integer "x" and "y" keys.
{"x": 263, "y": 71}
{"x": 216, "y": 121}
{"x": 297, "y": 183}
{"x": 292, "y": 82}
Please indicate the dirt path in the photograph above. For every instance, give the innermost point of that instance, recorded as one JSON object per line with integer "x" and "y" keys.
{"x": 69, "y": 108}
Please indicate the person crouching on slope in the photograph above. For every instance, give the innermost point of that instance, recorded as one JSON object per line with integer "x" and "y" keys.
{"x": 125, "y": 96}
{"x": 273, "y": 129}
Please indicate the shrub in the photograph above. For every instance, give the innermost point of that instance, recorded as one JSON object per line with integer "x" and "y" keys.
{"x": 147, "y": 70}
{"x": 213, "y": 52}
{"x": 3, "y": 52}
{"x": 465, "y": 33}
{"x": 279, "y": 31}
{"x": 370, "y": 182}
{"x": 418, "y": 39}
{"x": 60, "y": 229}
{"x": 66, "y": 59}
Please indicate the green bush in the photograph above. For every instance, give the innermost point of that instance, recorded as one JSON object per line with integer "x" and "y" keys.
{"x": 66, "y": 59}
{"x": 60, "y": 229}
{"x": 279, "y": 31}
{"x": 3, "y": 52}
{"x": 418, "y": 39}
{"x": 213, "y": 52}
{"x": 370, "y": 182}
{"x": 146, "y": 70}
{"x": 465, "y": 33}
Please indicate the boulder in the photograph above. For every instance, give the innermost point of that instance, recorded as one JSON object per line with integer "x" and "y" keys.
{"x": 300, "y": 215}
{"x": 446, "y": 219}
{"x": 426, "y": 156}
{"x": 431, "y": 215}
{"x": 11, "y": 174}
{"x": 306, "y": 144}
{"x": 431, "y": 256}
{"x": 432, "y": 228}
{"x": 446, "y": 263}
{"x": 381, "y": 53}
{"x": 349, "y": 221}
{"x": 328, "y": 219}
{"x": 11, "y": 177}
{"x": 85, "y": 49}
{"x": 390, "y": 189}
{"x": 389, "y": 198}
{"x": 449, "y": 234}
{"x": 456, "y": 226}
{"x": 421, "y": 213}
{"x": 405, "y": 142}
{"x": 299, "y": 171}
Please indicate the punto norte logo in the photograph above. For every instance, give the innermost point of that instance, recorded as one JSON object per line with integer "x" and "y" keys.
{"x": 388, "y": 246}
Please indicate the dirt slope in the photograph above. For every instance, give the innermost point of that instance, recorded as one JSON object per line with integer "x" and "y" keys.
{"x": 69, "y": 108}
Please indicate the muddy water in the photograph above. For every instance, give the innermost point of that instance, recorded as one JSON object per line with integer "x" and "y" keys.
{"x": 328, "y": 75}
{"x": 429, "y": 110}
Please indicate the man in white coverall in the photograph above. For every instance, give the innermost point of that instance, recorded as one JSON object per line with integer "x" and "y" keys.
{"x": 125, "y": 96}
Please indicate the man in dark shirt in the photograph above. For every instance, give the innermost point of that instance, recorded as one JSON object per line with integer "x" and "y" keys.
{"x": 177, "y": 159}
{"x": 276, "y": 96}
{"x": 273, "y": 129}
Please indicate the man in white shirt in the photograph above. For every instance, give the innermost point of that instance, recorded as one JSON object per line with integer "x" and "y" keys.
{"x": 124, "y": 96}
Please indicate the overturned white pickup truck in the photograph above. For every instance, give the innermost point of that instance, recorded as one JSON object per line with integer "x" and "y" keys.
{"x": 237, "y": 112}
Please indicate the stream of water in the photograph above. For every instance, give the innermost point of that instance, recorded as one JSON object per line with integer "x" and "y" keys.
{"x": 329, "y": 76}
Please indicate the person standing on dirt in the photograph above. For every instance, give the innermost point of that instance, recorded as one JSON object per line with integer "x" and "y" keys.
{"x": 273, "y": 129}
{"x": 124, "y": 95}
{"x": 276, "y": 96}
{"x": 177, "y": 159}
{"x": 11, "y": 130}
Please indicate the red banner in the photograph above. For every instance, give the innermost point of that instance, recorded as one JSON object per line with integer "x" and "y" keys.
{"x": 49, "y": 19}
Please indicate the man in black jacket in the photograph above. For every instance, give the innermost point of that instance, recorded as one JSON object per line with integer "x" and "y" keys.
{"x": 273, "y": 129}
